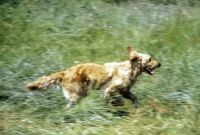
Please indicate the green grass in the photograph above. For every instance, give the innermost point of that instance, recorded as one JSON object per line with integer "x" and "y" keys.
{"x": 40, "y": 37}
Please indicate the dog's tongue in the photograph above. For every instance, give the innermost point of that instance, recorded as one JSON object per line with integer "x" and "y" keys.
{"x": 150, "y": 70}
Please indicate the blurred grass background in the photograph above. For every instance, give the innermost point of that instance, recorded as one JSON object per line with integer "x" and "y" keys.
{"x": 39, "y": 37}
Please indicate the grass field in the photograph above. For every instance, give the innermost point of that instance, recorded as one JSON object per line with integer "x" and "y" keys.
{"x": 40, "y": 37}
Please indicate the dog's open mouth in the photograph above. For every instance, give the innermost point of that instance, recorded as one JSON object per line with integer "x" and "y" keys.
{"x": 149, "y": 70}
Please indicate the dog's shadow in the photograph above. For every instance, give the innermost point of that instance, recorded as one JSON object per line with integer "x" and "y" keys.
{"x": 120, "y": 113}
{"x": 99, "y": 115}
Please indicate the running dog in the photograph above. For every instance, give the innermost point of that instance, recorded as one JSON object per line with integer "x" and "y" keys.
{"x": 116, "y": 78}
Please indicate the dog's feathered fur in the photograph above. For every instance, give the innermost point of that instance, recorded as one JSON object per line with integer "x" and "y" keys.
{"x": 117, "y": 78}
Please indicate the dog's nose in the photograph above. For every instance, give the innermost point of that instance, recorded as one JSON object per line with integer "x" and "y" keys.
{"x": 159, "y": 64}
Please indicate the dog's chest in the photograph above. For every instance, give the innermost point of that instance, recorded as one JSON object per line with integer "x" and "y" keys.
{"x": 125, "y": 73}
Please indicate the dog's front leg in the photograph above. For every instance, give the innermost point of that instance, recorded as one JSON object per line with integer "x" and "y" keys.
{"x": 117, "y": 101}
{"x": 115, "y": 95}
{"x": 132, "y": 97}
{"x": 110, "y": 92}
{"x": 113, "y": 89}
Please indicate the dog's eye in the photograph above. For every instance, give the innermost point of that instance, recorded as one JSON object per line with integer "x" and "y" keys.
{"x": 149, "y": 59}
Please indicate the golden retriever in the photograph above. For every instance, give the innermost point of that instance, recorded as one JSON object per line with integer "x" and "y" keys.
{"x": 116, "y": 78}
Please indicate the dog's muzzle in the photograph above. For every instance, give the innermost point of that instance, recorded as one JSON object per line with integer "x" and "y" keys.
{"x": 159, "y": 64}
{"x": 150, "y": 70}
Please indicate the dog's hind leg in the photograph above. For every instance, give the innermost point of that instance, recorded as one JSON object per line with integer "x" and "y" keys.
{"x": 72, "y": 98}
{"x": 67, "y": 97}
{"x": 74, "y": 92}
{"x": 132, "y": 97}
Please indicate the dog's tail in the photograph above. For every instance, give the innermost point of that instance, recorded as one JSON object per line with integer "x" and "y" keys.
{"x": 44, "y": 82}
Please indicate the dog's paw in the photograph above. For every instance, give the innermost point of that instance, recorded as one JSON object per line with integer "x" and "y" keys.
{"x": 103, "y": 95}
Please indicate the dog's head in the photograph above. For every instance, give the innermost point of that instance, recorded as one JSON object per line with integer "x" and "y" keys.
{"x": 146, "y": 62}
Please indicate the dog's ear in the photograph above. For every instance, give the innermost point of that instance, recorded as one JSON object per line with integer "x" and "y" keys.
{"x": 133, "y": 54}
{"x": 133, "y": 57}
{"x": 129, "y": 49}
